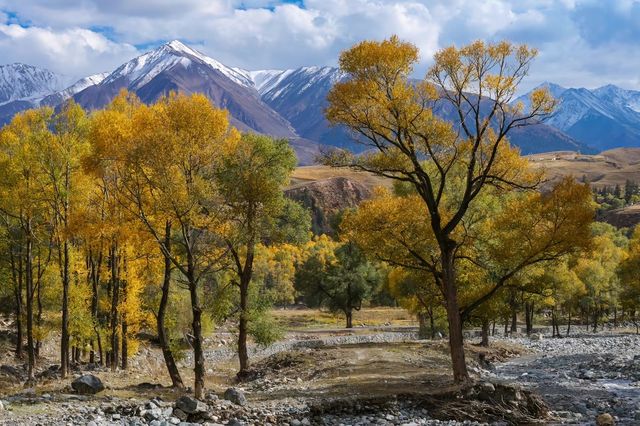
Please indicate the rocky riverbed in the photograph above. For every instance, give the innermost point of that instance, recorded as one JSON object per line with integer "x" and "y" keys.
{"x": 580, "y": 377}
{"x": 368, "y": 381}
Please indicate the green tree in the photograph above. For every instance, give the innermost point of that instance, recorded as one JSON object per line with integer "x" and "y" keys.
{"x": 340, "y": 283}
{"x": 252, "y": 173}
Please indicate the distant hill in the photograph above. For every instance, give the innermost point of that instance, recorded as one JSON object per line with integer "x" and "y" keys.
{"x": 605, "y": 169}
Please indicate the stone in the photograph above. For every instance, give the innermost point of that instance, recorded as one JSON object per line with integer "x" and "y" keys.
{"x": 153, "y": 414}
{"x": 87, "y": 385}
{"x": 1, "y": 406}
{"x": 605, "y": 419}
{"x": 235, "y": 422}
{"x": 179, "y": 414}
{"x": 486, "y": 387}
{"x": 236, "y": 396}
{"x": 190, "y": 405}
{"x": 536, "y": 336}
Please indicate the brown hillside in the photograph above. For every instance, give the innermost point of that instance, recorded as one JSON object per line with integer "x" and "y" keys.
{"x": 605, "y": 169}
{"x": 328, "y": 197}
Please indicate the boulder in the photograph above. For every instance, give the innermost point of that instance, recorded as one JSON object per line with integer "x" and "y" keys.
{"x": 9, "y": 370}
{"x": 235, "y": 395}
{"x": 190, "y": 405}
{"x": 605, "y": 419}
{"x": 87, "y": 384}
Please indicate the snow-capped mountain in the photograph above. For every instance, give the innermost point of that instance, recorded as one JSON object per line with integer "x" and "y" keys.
{"x": 57, "y": 98}
{"x": 603, "y": 118}
{"x": 300, "y": 96}
{"x": 290, "y": 103}
{"x": 177, "y": 67}
{"x": 27, "y": 83}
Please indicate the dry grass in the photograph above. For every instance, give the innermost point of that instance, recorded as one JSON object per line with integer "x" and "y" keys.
{"x": 308, "y": 174}
{"x": 306, "y": 319}
{"x": 608, "y": 168}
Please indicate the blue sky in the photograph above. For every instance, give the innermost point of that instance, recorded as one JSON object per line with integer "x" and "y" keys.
{"x": 582, "y": 42}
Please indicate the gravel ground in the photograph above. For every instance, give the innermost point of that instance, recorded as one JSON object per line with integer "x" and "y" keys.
{"x": 581, "y": 376}
{"x": 578, "y": 377}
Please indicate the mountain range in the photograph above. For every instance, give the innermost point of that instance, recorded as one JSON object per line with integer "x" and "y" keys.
{"x": 603, "y": 118}
{"x": 290, "y": 103}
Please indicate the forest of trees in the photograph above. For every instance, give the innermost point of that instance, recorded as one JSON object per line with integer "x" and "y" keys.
{"x": 165, "y": 218}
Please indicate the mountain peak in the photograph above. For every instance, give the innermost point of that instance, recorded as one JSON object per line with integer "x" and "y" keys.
{"x": 20, "y": 81}
{"x": 177, "y": 47}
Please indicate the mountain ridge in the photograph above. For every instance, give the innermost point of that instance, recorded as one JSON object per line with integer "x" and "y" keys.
{"x": 290, "y": 103}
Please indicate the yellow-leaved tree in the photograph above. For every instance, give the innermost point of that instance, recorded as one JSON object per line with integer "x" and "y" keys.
{"x": 394, "y": 117}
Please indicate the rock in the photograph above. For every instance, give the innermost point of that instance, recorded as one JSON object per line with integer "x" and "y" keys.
{"x": 190, "y": 405}
{"x": 180, "y": 415}
{"x": 153, "y": 414}
{"x": 605, "y": 419}
{"x": 1, "y": 406}
{"x": 87, "y": 385}
{"x": 10, "y": 370}
{"x": 236, "y": 396}
{"x": 537, "y": 336}
{"x": 487, "y": 387}
{"x": 235, "y": 422}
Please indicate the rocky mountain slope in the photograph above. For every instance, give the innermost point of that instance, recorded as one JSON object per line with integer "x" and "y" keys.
{"x": 326, "y": 198}
{"x": 603, "y": 118}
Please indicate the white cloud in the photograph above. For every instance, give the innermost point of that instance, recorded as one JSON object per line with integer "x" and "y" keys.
{"x": 578, "y": 39}
{"x": 75, "y": 52}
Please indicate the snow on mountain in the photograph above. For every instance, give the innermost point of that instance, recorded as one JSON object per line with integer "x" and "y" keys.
{"x": 141, "y": 70}
{"x": 300, "y": 81}
{"x": 265, "y": 80}
{"x": 27, "y": 83}
{"x": 57, "y": 98}
{"x": 604, "y": 118}
{"x": 620, "y": 97}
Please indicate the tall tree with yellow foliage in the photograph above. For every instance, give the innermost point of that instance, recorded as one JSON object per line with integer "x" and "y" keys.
{"x": 393, "y": 116}
{"x": 163, "y": 163}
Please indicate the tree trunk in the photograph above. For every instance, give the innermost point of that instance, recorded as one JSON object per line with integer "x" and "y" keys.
{"x": 349, "y": 317}
{"x": 432, "y": 322}
{"x": 29, "y": 287}
{"x": 198, "y": 355}
{"x": 115, "y": 284}
{"x": 456, "y": 339}
{"x": 125, "y": 344}
{"x": 94, "y": 277}
{"x": 514, "y": 320}
{"x": 16, "y": 271}
{"x": 528, "y": 315}
{"x": 243, "y": 356}
{"x": 493, "y": 329}
{"x": 64, "y": 340}
{"x": 39, "y": 317}
{"x": 595, "y": 320}
{"x": 422, "y": 325}
{"x": 485, "y": 333}
{"x": 169, "y": 360}
{"x": 246, "y": 272}
{"x": 569, "y": 322}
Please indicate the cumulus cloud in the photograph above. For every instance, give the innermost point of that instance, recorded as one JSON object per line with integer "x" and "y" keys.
{"x": 581, "y": 42}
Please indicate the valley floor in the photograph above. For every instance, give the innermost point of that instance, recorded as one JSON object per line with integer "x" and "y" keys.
{"x": 380, "y": 375}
